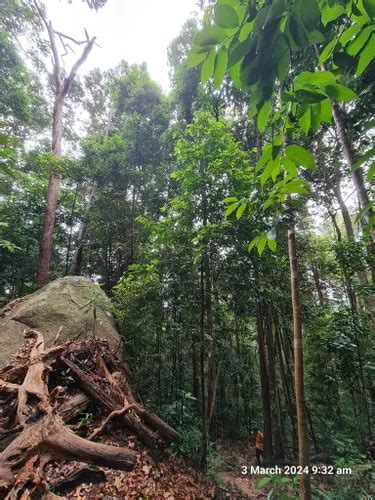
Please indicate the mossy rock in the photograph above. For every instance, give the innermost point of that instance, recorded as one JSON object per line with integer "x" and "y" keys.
{"x": 73, "y": 302}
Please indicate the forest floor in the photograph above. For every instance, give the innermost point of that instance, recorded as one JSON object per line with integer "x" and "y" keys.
{"x": 237, "y": 454}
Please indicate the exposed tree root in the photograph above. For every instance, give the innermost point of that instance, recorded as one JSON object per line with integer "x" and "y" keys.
{"x": 40, "y": 396}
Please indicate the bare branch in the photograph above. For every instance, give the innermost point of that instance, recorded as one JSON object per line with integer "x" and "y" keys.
{"x": 77, "y": 42}
{"x": 69, "y": 80}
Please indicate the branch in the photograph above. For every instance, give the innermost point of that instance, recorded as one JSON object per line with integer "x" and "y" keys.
{"x": 115, "y": 413}
{"x": 62, "y": 35}
{"x": 51, "y": 34}
{"x": 69, "y": 80}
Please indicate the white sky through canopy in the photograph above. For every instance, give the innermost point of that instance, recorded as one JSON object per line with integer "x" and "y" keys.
{"x": 134, "y": 30}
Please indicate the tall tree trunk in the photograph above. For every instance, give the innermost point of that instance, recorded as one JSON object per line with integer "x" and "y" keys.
{"x": 318, "y": 283}
{"x": 276, "y": 434}
{"x": 303, "y": 440}
{"x": 46, "y": 240}
{"x": 362, "y": 276}
{"x": 63, "y": 85}
{"x": 264, "y": 384}
{"x": 76, "y": 264}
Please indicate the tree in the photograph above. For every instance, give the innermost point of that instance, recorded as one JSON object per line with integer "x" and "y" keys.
{"x": 63, "y": 86}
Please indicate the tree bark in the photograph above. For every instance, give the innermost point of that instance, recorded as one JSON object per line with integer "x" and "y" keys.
{"x": 276, "y": 434}
{"x": 62, "y": 88}
{"x": 264, "y": 383}
{"x": 303, "y": 440}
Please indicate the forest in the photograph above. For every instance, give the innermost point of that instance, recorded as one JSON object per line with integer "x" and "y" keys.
{"x": 228, "y": 225}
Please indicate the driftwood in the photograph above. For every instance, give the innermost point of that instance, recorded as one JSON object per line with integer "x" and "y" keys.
{"x": 53, "y": 387}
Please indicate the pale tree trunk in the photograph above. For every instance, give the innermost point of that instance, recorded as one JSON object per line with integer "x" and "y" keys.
{"x": 303, "y": 440}
{"x": 362, "y": 276}
{"x": 63, "y": 85}
{"x": 76, "y": 264}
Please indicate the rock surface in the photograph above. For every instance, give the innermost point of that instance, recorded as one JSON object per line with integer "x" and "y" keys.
{"x": 73, "y": 302}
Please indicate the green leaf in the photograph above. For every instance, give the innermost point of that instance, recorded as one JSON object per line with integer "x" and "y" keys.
{"x": 241, "y": 210}
{"x": 348, "y": 34}
{"x": 326, "y": 111}
{"x": 316, "y": 37}
{"x": 309, "y": 96}
{"x": 359, "y": 42}
{"x": 272, "y": 245}
{"x": 240, "y": 50}
{"x": 253, "y": 243}
{"x": 305, "y": 121}
{"x": 263, "y": 115}
{"x": 369, "y": 6}
{"x": 290, "y": 167}
{"x": 318, "y": 78}
{"x": 261, "y": 246}
{"x": 329, "y": 13}
{"x": 366, "y": 56}
{"x": 232, "y": 208}
{"x": 369, "y": 125}
{"x": 340, "y": 93}
{"x": 344, "y": 61}
{"x": 265, "y": 480}
{"x": 271, "y": 166}
{"x": 366, "y": 156}
{"x": 327, "y": 51}
{"x": 231, "y": 199}
{"x": 371, "y": 172}
{"x": 212, "y": 35}
{"x": 208, "y": 66}
{"x": 221, "y": 62}
{"x": 226, "y": 16}
{"x": 295, "y": 187}
{"x": 194, "y": 59}
{"x": 310, "y": 15}
{"x": 300, "y": 156}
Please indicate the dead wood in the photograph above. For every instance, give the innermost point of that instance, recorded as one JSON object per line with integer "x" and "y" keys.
{"x": 42, "y": 390}
{"x": 83, "y": 474}
{"x": 34, "y": 383}
{"x": 112, "y": 415}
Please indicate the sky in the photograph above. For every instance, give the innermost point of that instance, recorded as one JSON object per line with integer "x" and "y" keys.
{"x": 135, "y": 30}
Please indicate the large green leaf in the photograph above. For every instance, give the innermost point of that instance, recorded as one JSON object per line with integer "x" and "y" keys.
{"x": 309, "y": 96}
{"x": 208, "y": 66}
{"x": 366, "y": 156}
{"x": 340, "y": 93}
{"x": 310, "y": 15}
{"x": 326, "y": 111}
{"x": 349, "y": 33}
{"x": 327, "y": 51}
{"x": 369, "y": 6}
{"x": 305, "y": 121}
{"x": 226, "y": 16}
{"x": 240, "y": 50}
{"x": 359, "y": 42}
{"x": 263, "y": 115}
{"x": 300, "y": 156}
{"x": 295, "y": 187}
{"x": 220, "y": 66}
{"x": 331, "y": 13}
{"x": 194, "y": 59}
{"x": 212, "y": 35}
{"x": 367, "y": 55}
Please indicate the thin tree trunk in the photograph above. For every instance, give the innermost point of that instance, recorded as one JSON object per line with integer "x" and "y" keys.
{"x": 264, "y": 384}
{"x": 76, "y": 264}
{"x": 303, "y": 440}
{"x": 63, "y": 85}
{"x": 318, "y": 283}
{"x": 276, "y": 434}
